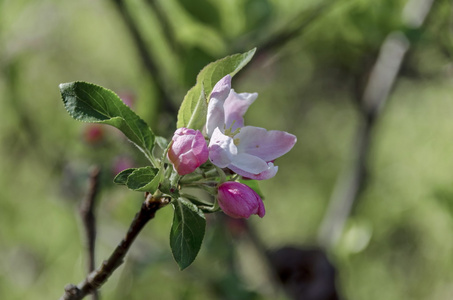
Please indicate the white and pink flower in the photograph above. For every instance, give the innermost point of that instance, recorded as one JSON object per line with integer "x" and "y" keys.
{"x": 246, "y": 150}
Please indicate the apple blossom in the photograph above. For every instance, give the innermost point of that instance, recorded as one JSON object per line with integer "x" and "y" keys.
{"x": 239, "y": 201}
{"x": 246, "y": 150}
{"x": 188, "y": 150}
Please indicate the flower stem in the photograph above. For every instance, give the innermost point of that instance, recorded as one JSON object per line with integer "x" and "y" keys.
{"x": 221, "y": 174}
{"x": 199, "y": 176}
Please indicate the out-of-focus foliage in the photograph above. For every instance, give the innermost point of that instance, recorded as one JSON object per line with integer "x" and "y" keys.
{"x": 398, "y": 241}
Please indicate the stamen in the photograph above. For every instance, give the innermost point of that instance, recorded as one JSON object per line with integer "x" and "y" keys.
{"x": 229, "y": 131}
{"x": 236, "y": 131}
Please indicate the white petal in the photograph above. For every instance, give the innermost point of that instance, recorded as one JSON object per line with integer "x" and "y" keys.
{"x": 221, "y": 149}
{"x": 236, "y": 106}
{"x": 267, "y": 145}
{"x": 268, "y": 173}
{"x": 249, "y": 163}
{"x": 216, "y": 112}
{"x": 216, "y": 116}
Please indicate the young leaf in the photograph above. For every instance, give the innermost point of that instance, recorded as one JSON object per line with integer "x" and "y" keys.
{"x": 121, "y": 177}
{"x": 144, "y": 179}
{"x": 88, "y": 102}
{"x": 200, "y": 111}
{"x": 187, "y": 232}
{"x": 192, "y": 113}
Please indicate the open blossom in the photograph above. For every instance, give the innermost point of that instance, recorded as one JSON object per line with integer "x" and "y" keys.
{"x": 188, "y": 150}
{"x": 246, "y": 150}
{"x": 239, "y": 201}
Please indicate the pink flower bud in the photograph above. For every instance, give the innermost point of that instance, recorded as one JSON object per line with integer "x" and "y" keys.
{"x": 188, "y": 150}
{"x": 239, "y": 201}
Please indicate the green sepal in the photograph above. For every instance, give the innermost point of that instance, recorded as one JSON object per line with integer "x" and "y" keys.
{"x": 166, "y": 188}
{"x": 187, "y": 232}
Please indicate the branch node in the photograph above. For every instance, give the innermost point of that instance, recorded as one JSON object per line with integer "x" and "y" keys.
{"x": 71, "y": 290}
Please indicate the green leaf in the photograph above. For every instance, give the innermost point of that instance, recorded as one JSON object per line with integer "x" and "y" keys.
{"x": 193, "y": 110}
{"x": 197, "y": 200}
{"x": 121, "y": 177}
{"x": 144, "y": 179}
{"x": 187, "y": 232}
{"x": 200, "y": 111}
{"x": 88, "y": 102}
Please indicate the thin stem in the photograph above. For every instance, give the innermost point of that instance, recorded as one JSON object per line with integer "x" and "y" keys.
{"x": 174, "y": 178}
{"x": 196, "y": 177}
{"x": 89, "y": 220}
{"x": 97, "y": 278}
{"x": 151, "y": 158}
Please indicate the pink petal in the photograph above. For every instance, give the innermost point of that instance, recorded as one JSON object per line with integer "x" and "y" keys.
{"x": 267, "y": 145}
{"x": 222, "y": 88}
{"x": 199, "y": 146}
{"x": 261, "y": 209}
{"x": 216, "y": 112}
{"x": 235, "y": 107}
{"x": 239, "y": 201}
{"x": 188, "y": 150}
{"x": 221, "y": 149}
{"x": 267, "y": 174}
{"x": 187, "y": 163}
{"x": 249, "y": 163}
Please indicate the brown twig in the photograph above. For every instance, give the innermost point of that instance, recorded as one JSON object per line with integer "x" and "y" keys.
{"x": 98, "y": 277}
{"x": 89, "y": 220}
{"x": 380, "y": 83}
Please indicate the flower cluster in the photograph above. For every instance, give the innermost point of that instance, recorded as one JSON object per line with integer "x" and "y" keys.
{"x": 247, "y": 151}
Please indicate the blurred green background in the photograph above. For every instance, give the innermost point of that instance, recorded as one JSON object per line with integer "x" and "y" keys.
{"x": 314, "y": 58}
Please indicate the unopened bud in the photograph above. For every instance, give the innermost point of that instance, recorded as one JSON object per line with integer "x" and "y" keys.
{"x": 188, "y": 150}
{"x": 239, "y": 201}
